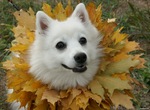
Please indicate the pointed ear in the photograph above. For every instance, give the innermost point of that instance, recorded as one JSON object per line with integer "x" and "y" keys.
{"x": 42, "y": 22}
{"x": 81, "y": 13}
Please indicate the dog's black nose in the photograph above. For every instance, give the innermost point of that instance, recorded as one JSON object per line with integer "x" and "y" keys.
{"x": 80, "y": 58}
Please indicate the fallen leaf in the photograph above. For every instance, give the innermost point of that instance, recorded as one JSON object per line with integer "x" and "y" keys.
{"x": 82, "y": 101}
{"x": 39, "y": 94}
{"x": 130, "y": 46}
{"x": 32, "y": 85}
{"x": 26, "y": 19}
{"x": 59, "y": 12}
{"x": 124, "y": 100}
{"x": 96, "y": 88}
{"x": 51, "y": 96}
{"x": 48, "y": 10}
{"x": 19, "y": 47}
{"x": 121, "y": 66}
{"x": 118, "y": 37}
{"x": 92, "y": 96}
{"x": 110, "y": 83}
{"x": 43, "y": 106}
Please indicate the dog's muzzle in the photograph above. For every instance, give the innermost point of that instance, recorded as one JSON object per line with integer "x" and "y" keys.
{"x": 78, "y": 69}
{"x": 80, "y": 59}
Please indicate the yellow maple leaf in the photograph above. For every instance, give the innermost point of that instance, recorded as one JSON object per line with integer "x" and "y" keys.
{"x": 9, "y": 65}
{"x": 120, "y": 56}
{"x": 130, "y": 46}
{"x": 118, "y": 37}
{"x": 112, "y": 83}
{"x": 59, "y": 12}
{"x": 19, "y": 30}
{"x": 124, "y": 100}
{"x": 68, "y": 9}
{"x": 52, "y": 96}
{"x": 39, "y": 94}
{"x": 19, "y": 47}
{"x": 32, "y": 86}
{"x": 26, "y": 19}
{"x": 96, "y": 88}
{"x": 92, "y": 96}
{"x": 82, "y": 101}
{"x": 48, "y": 10}
{"x": 121, "y": 66}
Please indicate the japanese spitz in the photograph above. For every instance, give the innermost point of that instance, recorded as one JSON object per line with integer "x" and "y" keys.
{"x": 65, "y": 54}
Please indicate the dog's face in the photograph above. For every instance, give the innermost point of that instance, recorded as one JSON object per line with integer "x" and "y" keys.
{"x": 65, "y": 54}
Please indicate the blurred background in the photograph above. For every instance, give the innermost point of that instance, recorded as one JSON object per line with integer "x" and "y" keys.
{"x": 133, "y": 15}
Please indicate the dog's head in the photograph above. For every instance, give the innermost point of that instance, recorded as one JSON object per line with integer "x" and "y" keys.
{"x": 65, "y": 53}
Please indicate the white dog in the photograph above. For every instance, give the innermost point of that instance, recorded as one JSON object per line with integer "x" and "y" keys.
{"x": 65, "y": 54}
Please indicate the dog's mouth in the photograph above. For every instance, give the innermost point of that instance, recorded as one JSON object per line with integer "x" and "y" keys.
{"x": 78, "y": 69}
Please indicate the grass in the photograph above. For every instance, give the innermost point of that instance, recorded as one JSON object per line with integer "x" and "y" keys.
{"x": 136, "y": 23}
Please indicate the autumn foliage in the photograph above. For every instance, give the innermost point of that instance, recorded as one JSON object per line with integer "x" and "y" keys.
{"x": 111, "y": 85}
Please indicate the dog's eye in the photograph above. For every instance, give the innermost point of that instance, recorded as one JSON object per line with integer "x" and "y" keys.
{"x": 82, "y": 40}
{"x": 60, "y": 45}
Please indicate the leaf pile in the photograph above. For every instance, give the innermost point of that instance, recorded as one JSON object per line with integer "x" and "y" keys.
{"x": 110, "y": 87}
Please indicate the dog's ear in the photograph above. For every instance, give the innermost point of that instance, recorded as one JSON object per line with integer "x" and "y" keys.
{"x": 81, "y": 13}
{"x": 42, "y": 22}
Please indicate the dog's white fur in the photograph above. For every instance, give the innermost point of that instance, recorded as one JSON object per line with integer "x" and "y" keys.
{"x": 46, "y": 59}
